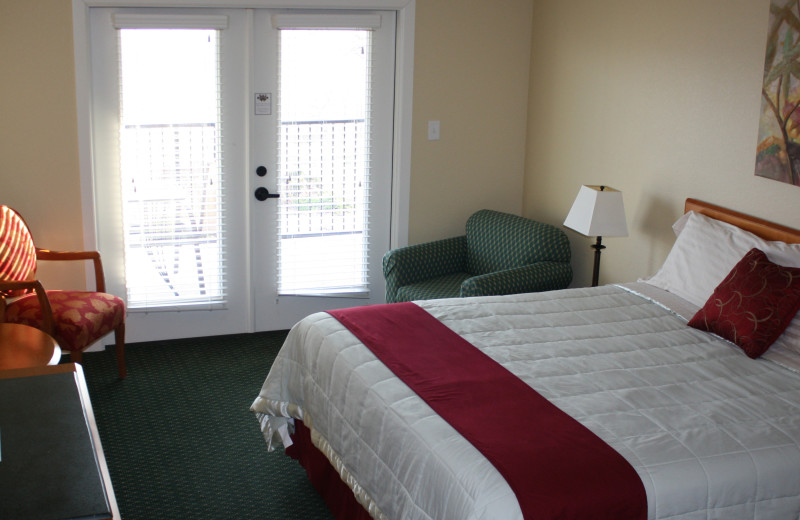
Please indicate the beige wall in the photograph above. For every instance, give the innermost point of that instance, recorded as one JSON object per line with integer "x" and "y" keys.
{"x": 658, "y": 99}
{"x": 471, "y": 73}
{"x": 39, "y": 173}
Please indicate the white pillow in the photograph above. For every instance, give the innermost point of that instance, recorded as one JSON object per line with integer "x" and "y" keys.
{"x": 705, "y": 252}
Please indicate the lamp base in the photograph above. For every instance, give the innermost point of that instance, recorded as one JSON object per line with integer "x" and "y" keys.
{"x": 598, "y": 247}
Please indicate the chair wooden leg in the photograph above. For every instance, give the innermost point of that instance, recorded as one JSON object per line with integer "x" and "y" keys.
{"x": 119, "y": 337}
{"x": 76, "y": 356}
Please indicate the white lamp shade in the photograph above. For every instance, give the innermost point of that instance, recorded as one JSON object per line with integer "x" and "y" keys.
{"x": 598, "y": 212}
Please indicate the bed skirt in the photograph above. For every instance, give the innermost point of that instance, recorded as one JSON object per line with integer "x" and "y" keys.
{"x": 323, "y": 476}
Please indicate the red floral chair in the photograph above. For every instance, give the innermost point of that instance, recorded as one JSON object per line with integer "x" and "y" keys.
{"x": 76, "y": 319}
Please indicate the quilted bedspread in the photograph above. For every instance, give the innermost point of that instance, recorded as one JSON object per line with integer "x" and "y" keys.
{"x": 711, "y": 433}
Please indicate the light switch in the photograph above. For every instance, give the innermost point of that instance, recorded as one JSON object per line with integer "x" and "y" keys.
{"x": 433, "y": 131}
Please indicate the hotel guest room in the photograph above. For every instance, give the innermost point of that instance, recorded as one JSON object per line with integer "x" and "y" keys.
{"x": 531, "y": 99}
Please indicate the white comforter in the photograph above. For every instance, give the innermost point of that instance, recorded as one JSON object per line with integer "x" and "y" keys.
{"x": 712, "y": 433}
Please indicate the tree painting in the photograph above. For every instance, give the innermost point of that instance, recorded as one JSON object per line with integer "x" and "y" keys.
{"x": 778, "y": 153}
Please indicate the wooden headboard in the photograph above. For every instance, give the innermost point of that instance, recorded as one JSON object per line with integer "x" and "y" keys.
{"x": 763, "y": 228}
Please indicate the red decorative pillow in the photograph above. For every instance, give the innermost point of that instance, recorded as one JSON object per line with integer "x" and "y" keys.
{"x": 753, "y": 304}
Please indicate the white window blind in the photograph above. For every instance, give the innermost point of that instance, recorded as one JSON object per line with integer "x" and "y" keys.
{"x": 327, "y": 21}
{"x": 324, "y": 158}
{"x": 171, "y": 162}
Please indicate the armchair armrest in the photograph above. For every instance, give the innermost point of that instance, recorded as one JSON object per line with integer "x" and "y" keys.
{"x": 44, "y": 303}
{"x": 412, "y": 264}
{"x": 94, "y": 256}
{"x": 541, "y": 276}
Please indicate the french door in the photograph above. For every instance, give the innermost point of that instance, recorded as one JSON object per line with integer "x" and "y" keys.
{"x": 242, "y": 164}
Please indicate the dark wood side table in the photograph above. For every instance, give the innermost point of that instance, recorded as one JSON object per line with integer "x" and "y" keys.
{"x": 22, "y": 346}
{"x": 52, "y": 464}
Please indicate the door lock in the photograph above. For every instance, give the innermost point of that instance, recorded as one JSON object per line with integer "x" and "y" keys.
{"x": 263, "y": 193}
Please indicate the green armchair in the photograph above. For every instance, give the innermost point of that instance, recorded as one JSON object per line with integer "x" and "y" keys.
{"x": 499, "y": 254}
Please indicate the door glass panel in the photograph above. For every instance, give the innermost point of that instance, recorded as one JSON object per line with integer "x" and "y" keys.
{"x": 324, "y": 162}
{"x": 170, "y": 164}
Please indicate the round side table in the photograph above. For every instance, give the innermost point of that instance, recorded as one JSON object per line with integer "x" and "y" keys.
{"x": 22, "y": 346}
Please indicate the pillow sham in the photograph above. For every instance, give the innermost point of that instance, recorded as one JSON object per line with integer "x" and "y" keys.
{"x": 705, "y": 252}
{"x": 753, "y": 305}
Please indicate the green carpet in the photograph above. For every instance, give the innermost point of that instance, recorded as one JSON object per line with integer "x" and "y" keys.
{"x": 180, "y": 440}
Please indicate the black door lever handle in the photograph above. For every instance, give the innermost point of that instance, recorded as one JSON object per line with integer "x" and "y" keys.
{"x": 263, "y": 193}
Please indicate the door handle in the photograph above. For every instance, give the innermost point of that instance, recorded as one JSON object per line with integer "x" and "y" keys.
{"x": 263, "y": 193}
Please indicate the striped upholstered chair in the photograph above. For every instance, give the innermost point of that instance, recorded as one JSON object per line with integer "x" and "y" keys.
{"x": 76, "y": 319}
{"x": 499, "y": 254}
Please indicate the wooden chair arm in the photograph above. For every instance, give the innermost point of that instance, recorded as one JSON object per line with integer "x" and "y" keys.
{"x": 44, "y": 303}
{"x": 94, "y": 256}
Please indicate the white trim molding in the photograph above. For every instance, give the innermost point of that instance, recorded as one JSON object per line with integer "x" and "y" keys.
{"x": 145, "y": 21}
{"x": 385, "y": 5}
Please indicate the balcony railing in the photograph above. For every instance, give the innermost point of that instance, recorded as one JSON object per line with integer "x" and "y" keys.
{"x": 323, "y": 207}
{"x": 172, "y": 213}
{"x": 322, "y": 179}
{"x": 172, "y": 192}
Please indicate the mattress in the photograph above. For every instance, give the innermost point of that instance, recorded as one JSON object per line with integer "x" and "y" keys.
{"x": 711, "y": 432}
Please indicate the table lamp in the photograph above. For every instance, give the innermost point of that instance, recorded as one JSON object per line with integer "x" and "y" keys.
{"x": 598, "y": 211}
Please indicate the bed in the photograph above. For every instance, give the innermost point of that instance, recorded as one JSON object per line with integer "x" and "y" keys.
{"x": 709, "y": 426}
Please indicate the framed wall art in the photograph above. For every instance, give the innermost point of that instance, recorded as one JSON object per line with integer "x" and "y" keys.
{"x": 778, "y": 150}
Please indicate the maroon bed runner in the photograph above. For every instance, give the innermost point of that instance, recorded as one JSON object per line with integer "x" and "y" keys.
{"x": 556, "y": 466}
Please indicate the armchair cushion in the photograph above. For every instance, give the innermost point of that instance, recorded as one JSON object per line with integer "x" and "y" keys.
{"x": 499, "y": 254}
{"x": 498, "y": 241}
{"x": 412, "y": 264}
{"x": 79, "y": 317}
{"x": 447, "y": 286}
{"x": 17, "y": 252}
{"x": 542, "y": 276}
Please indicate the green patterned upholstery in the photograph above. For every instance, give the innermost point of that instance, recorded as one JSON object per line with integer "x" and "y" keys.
{"x": 441, "y": 287}
{"x": 499, "y": 254}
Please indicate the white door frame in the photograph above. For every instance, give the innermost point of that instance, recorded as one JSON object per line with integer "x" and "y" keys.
{"x": 404, "y": 72}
